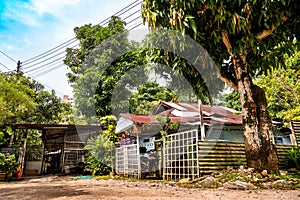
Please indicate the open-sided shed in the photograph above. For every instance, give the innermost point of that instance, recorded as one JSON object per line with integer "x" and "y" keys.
{"x": 62, "y": 148}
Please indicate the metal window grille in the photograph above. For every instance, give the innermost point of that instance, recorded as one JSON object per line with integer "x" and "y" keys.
{"x": 127, "y": 160}
{"x": 181, "y": 155}
{"x": 71, "y": 158}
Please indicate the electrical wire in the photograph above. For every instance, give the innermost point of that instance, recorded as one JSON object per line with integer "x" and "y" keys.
{"x": 49, "y": 58}
{"x": 8, "y": 57}
{"x": 133, "y": 27}
{"x": 45, "y": 67}
{"x": 62, "y": 46}
{"x": 5, "y": 66}
{"x": 52, "y": 65}
{"x": 135, "y": 3}
{"x": 60, "y": 58}
{"x": 48, "y": 70}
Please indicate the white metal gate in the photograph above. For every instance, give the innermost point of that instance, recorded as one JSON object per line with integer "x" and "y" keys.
{"x": 127, "y": 160}
{"x": 181, "y": 155}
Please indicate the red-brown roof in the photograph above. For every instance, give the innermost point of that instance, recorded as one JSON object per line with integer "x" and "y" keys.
{"x": 211, "y": 114}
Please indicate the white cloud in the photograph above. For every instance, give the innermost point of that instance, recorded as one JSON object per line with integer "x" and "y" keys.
{"x": 20, "y": 12}
{"x": 27, "y": 41}
{"x": 53, "y": 7}
{"x": 10, "y": 47}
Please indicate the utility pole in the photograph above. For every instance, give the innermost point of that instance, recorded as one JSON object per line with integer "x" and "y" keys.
{"x": 19, "y": 63}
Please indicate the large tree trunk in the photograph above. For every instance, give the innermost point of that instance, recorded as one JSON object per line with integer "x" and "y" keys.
{"x": 261, "y": 152}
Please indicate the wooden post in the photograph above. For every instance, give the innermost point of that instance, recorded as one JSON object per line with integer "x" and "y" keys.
{"x": 202, "y": 128}
{"x": 62, "y": 157}
{"x": 293, "y": 135}
{"x": 23, "y": 152}
{"x": 43, "y": 154}
{"x": 11, "y": 140}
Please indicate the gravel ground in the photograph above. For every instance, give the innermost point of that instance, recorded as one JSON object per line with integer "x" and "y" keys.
{"x": 58, "y": 188}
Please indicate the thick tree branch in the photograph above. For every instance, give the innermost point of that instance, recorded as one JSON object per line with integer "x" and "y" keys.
{"x": 226, "y": 42}
{"x": 266, "y": 33}
{"x": 228, "y": 81}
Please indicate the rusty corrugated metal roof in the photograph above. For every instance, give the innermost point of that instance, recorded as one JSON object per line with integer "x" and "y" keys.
{"x": 211, "y": 114}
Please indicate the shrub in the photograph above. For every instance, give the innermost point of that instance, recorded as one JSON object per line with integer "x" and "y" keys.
{"x": 101, "y": 155}
{"x": 293, "y": 158}
{"x": 8, "y": 163}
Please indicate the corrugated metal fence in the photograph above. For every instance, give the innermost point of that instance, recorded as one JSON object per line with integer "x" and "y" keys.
{"x": 216, "y": 156}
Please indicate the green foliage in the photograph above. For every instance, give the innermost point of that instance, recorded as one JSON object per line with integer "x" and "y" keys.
{"x": 96, "y": 167}
{"x": 23, "y": 100}
{"x": 8, "y": 163}
{"x": 101, "y": 148}
{"x": 166, "y": 125}
{"x": 282, "y": 89}
{"x": 101, "y": 154}
{"x": 109, "y": 122}
{"x": 5, "y": 134}
{"x": 293, "y": 158}
{"x": 149, "y": 95}
{"x": 95, "y": 67}
{"x": 232, "y": 100}
{"x": 15, "y": 99}
{"x": 242, "y": 20}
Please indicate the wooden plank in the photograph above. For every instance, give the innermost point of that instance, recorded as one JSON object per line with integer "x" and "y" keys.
{"x": 218, "y": 156}
{"x": 211, "y": 168}
{"x": 230, "y": 144}
{"x": 235, "y": 163}
{"x": 221, "y": 156}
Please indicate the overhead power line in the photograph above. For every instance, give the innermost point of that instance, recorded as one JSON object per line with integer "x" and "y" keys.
{"x": 8, "y": 57}
{"x": 59, "y": 47}
{"x": 52, "y": 59}
{"x": 74, "y": 39}
{"x": 5, "y": 66}
{"x": 139, "y": 24}
{"x": 48, "y": 70}
{"x": 61, "y": 59}
{"x": 48, "y": 55}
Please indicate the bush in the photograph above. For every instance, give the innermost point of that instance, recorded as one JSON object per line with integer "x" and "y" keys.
{"x": 8, "y": 163}
{"x": 96, "y": 167}
{"x": 101, "y": 155}
{"x": 293, "y": 158}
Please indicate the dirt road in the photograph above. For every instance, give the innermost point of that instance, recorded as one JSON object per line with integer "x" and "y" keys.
{"x": 59, "y": 188}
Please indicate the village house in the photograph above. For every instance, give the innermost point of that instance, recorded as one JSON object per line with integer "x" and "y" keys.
{"x": 178, "y": 154}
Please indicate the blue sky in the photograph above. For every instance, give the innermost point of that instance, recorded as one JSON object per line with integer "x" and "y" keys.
{"x": 31, "y": 27}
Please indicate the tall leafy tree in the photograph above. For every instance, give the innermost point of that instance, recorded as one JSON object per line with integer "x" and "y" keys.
{"x": 90, "y": 67}
{"x": 15, "y": 99}
{"x": 50, "y": 109}
{"x": 253, "y": 35}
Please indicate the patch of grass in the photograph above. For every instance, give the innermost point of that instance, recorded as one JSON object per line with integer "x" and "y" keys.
{"x": 108, "y": 177}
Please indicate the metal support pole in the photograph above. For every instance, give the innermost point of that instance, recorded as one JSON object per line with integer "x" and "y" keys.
{"x": 138, "y": 156}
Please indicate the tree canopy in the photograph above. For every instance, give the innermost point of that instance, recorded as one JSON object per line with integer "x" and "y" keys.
{"x": 15, "y": 99}
{"x": 92, "y": 63}
{"x": 147, "y": 96}
{"x": 253, "y": 37}
{"x": 24, "y": 100}
{"x": 282, "y": 88}
{"x": 282, "y": 91}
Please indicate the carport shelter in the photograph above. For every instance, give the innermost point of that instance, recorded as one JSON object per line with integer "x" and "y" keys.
{"x": 62, "y": 149}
